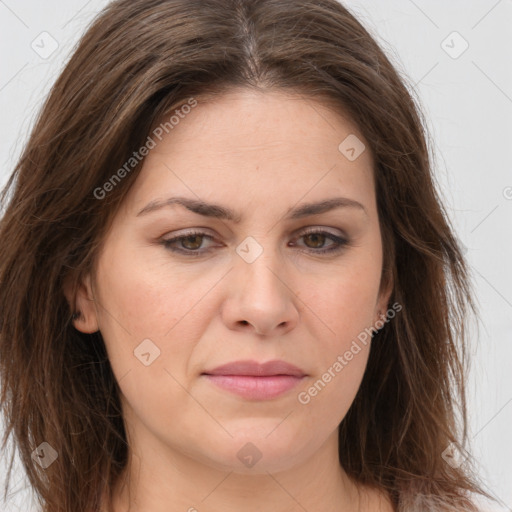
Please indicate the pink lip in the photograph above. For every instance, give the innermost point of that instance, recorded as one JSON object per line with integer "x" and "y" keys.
{"x": 256, "y": 381}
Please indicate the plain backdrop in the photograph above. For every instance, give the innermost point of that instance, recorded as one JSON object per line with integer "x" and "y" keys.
{"x": 457, "y": 57}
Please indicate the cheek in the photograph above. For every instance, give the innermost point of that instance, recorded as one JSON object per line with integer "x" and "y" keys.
{"x": 342, "y": 354}
{"x": 346, "y": 305}
{"x": 352, "y": 305}
{"x": 152, "y": 316}
{"x": 148, "y": 297}
{"x": 143, "y": 301}
{"x": 346, "y": 301}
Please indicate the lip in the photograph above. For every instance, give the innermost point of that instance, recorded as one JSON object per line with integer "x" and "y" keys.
{"x": 256, "y": 381}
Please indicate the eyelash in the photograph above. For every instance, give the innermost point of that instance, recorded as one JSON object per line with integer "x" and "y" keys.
{"x": 340, "y": 243}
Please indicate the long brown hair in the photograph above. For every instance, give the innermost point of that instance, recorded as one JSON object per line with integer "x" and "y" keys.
{"x": 137, "y": 61}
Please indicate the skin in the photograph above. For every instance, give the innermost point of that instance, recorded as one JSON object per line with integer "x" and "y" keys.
{"x": 259, "y": 154}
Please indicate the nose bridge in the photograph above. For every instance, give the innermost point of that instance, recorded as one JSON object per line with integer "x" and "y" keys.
{"x": 259, "y": 265}
{"x": 260, "y": 294}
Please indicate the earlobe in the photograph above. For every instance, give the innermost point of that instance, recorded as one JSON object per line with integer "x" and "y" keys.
{"x": 383, "y": 303}
{"x": 83, "y": 306}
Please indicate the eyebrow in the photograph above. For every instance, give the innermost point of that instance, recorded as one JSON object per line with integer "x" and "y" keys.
{"x": 222, "y": 212}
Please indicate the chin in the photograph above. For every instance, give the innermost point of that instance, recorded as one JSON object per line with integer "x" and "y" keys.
{"x": 259, "y": 454}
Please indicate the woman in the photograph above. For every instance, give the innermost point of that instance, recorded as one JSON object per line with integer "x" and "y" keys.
{"x": 230, "y": 283}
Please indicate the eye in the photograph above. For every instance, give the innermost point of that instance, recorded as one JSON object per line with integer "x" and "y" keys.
{"x": 190, "y": 243}
{"x": 316, "y": 241}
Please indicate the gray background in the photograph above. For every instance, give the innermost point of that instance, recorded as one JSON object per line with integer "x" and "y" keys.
{"x": 468, "y": 102}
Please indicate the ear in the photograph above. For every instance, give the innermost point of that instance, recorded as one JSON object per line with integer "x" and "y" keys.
{"x": 82, "y": 304}
{"x": 382, "y": 304}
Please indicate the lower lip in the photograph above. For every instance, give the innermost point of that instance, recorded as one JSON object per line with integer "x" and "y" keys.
{"x": 256, "y": 388}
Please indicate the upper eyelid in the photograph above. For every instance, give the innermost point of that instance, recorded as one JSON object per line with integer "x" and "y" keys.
{"x": 299, "y": 231}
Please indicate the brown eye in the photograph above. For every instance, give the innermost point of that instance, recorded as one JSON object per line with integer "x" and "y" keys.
{"x": 192, "y": 242}
{"x": 189, "y": 244}
{"x": 317, "y": 240}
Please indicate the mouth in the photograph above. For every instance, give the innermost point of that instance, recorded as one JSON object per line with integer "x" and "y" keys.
{"x": 256, "y": 381}
{"x": 254, "y": 387}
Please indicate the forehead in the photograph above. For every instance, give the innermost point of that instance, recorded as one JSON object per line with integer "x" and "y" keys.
{"x": 244, "y": 120}
{"x": 249, "y": 146}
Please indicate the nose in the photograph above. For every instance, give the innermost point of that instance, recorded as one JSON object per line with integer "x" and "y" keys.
{"x": 260, "y": 298}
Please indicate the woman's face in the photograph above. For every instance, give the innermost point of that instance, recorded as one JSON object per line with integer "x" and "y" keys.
{"x": 253, "y": 287}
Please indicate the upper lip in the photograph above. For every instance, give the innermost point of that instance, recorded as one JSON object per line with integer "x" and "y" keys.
{"x": 248, "y": 367}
